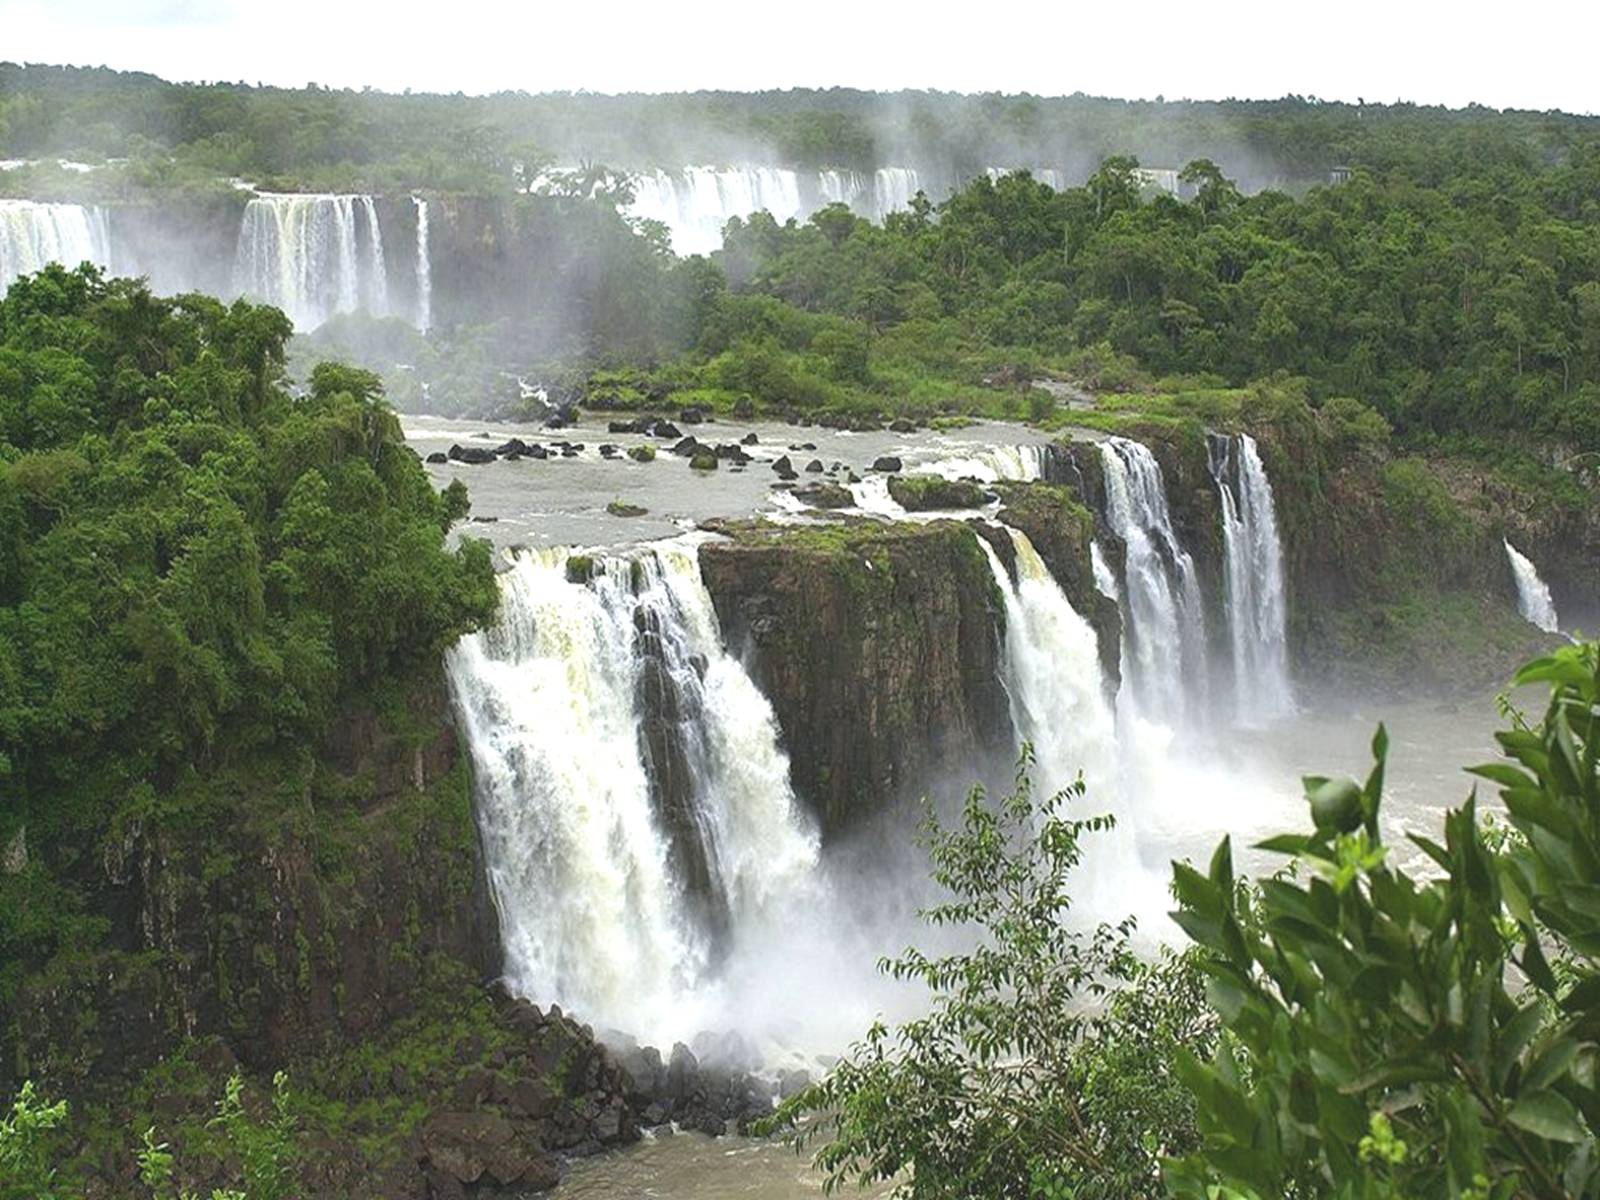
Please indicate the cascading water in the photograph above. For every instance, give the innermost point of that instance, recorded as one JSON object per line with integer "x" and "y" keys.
{"x": 892, "y": 190}
{"x": 424, "y": 267}
{"x": 1254, "y": 557}
{"x": 987, "y": 464}
{"x": 312, "y": 256}
{"x": 1163, "y": 647}
{"x": 635, "y": 806}
{"x": 33, "y": 234}
{"x": 696, "y": 202}
{"x": 1533, "y": 594}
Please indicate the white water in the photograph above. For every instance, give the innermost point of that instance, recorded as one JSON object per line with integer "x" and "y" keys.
{"x": 580, "y": 867}
{"x": 986, "y": 464}
{"x": 1163, "y": 644}
{"x": 424, "y": 320}
{"x": 312, "y": 256}
{"x": 1254, "y": 560}
{"x": 694, "y": 203}
{"x": 33, "y": 234}
{"x": 1533, "y": 594}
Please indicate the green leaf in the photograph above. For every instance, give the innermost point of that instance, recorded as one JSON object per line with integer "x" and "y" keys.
{"x": 1549, "y": 1115}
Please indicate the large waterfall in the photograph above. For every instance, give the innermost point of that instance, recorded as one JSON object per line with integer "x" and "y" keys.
{"x": 1256, "y": 619}
{"x": 424, "y": 319}
{"x": 634, "y": 803}
{"x": 1052, "y": 675}
{"x": 1163, "y": 651}
{"x": 1533, "y": 594}
{"x": 312, "y": 256}
{"x": 33, "y": 234}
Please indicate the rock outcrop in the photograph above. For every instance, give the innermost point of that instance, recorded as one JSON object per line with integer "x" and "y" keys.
{"x": 877, "y": 646}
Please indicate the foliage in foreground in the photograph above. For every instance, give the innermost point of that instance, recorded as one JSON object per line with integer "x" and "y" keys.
{"x": 1430, "y": 1033}
{"x": 1042, "y": 1066}
{"x": 1370, "y": 1028}
{"x": 26, "y": 1147}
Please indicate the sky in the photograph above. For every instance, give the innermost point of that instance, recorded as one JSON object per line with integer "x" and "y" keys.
{"x": 1540, "y": 54}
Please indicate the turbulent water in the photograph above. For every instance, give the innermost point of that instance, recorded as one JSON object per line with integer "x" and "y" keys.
{"x": 1163, "y": 652}
{"x": 33, "y": 234}
{"x": 1533, "y": 594}
{"x": 424, "y": 317}
{"x": 1254, "y": 564}
{"x": 312, "y": 256}
{"x": 634, "y": 803}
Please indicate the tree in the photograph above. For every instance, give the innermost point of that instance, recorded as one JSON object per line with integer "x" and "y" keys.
{"x": 1021, "y": 1080}
{"x": 1397, "y": 1034}
{"x": 26, "y": 1147}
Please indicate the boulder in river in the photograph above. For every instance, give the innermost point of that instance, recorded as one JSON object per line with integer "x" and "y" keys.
{"x": 824, "y": 495}
{"x": 438, "y": 456}
{"x": 886, "y": 462}
{"x": 471, "y": 455}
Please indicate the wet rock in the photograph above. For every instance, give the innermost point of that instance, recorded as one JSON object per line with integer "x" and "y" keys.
{"x": 532, "y": 1097}
{"x": 470, "y": 1146}
{"x": 688, "y": 447}
{"x": 620, "y": 508}
{"x": 666, "y": 429}
{"x": 536, "y": 451}
{"x": 744, "y": 408}
{"x": 901, "y": 425}
{"x": 814, "y": 467}
{"x": 824, "y": 495}
{"x": 749, "y": 439}
{"x": 438, "y": 456}
{"x": 784, "y": 466}
{"x": 692, "y": 416}
{"x": 609, "y": 450}
{"x": 886, "y": 463}
{"x": 471, "y": 455}
{"x": 570, "y": 451}
{"x": 513, "y": 446}
{"x": 704, "y": 460}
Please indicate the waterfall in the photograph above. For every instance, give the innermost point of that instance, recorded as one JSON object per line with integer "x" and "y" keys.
{"x": 424, "y": 268}
{"x": 696, "y": 202}
{"x": 1052, "y": 675}
{"x": 892, "y": 190}
{"x": 1163, "y": 647}
{"x": 33, "y": 233}
{"x": 1254, "y": 580}
{"x": 634, "y": 803}
{"x": 1533, "y": 594}
{"x": 312, "y": 256}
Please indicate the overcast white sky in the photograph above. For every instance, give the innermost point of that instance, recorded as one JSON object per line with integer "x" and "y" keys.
{"x": 1538, "y": 54}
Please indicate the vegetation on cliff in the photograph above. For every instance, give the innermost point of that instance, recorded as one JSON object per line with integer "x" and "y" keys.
{"x": 198, "y": 571}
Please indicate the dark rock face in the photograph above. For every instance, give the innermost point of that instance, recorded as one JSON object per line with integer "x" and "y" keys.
{"x": 472, "y": 455}
{"x": 438, "y": 456}
{"x": 886, "y": 462}
{"x": 878, "y": 648}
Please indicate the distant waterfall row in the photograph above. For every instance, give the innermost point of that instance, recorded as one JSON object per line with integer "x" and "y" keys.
{"x": 33, "y": 234}
{"x": 634, "y": 803}
{"x": 694, "y": 203}
{"x": 313, "y": 256}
